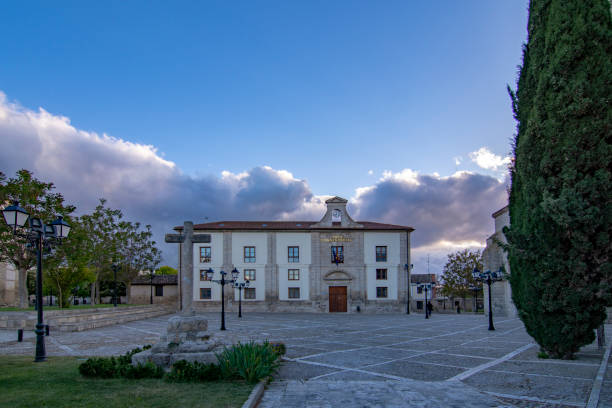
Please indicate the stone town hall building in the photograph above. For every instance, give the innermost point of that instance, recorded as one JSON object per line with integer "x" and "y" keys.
{"x": 333, "y": 265}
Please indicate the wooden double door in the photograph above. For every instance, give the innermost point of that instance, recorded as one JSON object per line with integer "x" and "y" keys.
{"x": 337, "y": 298}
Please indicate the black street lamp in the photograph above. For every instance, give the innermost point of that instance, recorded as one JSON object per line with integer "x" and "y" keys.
{"x": 427, "y": 286}
{"x": 240, "y": 286}
{"x": 151, "y": 286}
{"x": 408, "y": 268}
{"x": 209, "y": 276}
{"x": 488, "y": 277}
{"x": 41, "y": 237}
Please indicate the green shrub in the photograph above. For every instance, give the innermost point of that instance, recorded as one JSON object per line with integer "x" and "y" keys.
{"x": 194, "y": 372}
{"x": 251, "y": 362}
{"x": 101, "y": 367}
{"x": 542, "y": 354}
{"x": 279, "y": 348}
{"x": 111, "y": 367}
{"x": 146, "y": 370}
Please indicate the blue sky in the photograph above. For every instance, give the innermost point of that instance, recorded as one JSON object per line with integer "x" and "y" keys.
{"x": 334, "y": 93}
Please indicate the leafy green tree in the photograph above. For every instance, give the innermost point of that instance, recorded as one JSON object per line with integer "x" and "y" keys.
{"x": 37, "y": 198}
{"x": 560, "y": 199}
{"x": 166, "y": 270}
{"x": 457, "y": 273}
{"x": 102, "y": 225}
{"x": 136, "y": 252}
{"x": 71, "y": 267}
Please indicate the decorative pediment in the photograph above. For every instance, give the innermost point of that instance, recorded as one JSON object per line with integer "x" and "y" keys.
{"x": 336, "y": 199}
{"x": 336, "y": 215}
{"x": 337, "y": 276}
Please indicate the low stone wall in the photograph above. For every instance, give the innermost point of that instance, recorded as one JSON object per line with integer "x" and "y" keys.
{"x": 81, "y": 319}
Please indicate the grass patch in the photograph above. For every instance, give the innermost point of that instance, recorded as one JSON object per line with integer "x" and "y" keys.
{"x": 45, "y": 308}
{"x": 57, "y": 383}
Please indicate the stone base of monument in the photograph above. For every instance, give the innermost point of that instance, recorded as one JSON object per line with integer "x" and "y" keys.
{"x": 187, "y": 339}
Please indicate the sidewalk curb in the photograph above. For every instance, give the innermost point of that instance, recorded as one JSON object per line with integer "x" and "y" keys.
{"x": 255, "y": 396}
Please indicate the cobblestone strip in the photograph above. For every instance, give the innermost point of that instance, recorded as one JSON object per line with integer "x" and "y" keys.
{"x": 477, "y": 369}
{"x": 594, "y": 397}
{"x": 534, "y": 399}
{"x": 140, "y": 330}
{"x": 67, "y": 349}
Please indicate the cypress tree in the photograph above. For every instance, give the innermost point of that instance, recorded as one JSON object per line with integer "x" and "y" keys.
{"x": 560, "y": 214}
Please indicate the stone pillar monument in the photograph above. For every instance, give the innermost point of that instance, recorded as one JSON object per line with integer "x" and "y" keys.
{"x": 187, "y": 238}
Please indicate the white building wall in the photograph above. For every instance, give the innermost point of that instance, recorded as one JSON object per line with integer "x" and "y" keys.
{"x": 216, "y": 260}
{"x": 260, "y": 242}
{"x": 392, "y": 241}
{"x": 501, "y": 221}
{"x": 303, "y": 241}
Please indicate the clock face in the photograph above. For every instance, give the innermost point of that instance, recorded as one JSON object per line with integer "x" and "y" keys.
{"x": 336, "y": 215}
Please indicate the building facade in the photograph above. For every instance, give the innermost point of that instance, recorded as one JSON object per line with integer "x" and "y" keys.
{"x": 493, "y": 258}
{"x": 417, "y": 293}
{"x": 333, "y": 265}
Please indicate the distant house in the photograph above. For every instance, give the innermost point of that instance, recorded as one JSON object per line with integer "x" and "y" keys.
{"x": 417, "y": 294}
{"x": 163, "y": 291}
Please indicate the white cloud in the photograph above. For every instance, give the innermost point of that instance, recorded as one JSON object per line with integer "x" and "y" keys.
{"x": 405, "y": 176}
{"x": 458, "y": 160}
{"x": 487, "y": 160}
{"x": 370, "y": 172}
{"x": 450, "y": 211}
{"x": 447, "y": 211}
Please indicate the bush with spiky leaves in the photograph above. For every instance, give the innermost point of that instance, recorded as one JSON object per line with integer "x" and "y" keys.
{"x": 561, "y": 193}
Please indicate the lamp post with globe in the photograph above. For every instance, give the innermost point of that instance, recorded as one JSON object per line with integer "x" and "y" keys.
{"x": 209, "y": 276}
{"x": 40, "y": 237}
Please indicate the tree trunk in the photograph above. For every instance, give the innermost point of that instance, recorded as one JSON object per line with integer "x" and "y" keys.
{"x": 23, "y": 288}
{"x": 93, "y": 293}
{"x": 98, "y": 292}
{"x": 60, "y": 298}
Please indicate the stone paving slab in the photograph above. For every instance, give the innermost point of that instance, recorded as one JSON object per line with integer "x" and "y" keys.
{"x": 354, "y": 349}
{"x": 320, "y": 394}
{"x": 417, "y": 371}
{"x": 573, "y": 391}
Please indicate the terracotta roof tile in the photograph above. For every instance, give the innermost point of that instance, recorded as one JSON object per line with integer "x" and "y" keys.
{"x": 157, "y": 280}
{"x": 290, "y": 225}
{"x": 423, "y": 278}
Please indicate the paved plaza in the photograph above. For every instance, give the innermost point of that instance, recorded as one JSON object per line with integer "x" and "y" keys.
{"x": 380, "y": 360}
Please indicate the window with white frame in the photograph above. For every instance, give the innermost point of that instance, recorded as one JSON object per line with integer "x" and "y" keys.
{"x": 381, "y": 274}
{"x": 249, "y": 254}
{"x": 294, "y": 293}
{"x": 381, "y": 254}
{"x": 205, "y": 253}
{"x": 249, "y": 274}
{"x": 337, "y": 254}
{"x": 293, "y": 274}
{"x": 381, "y": 292}
{"x": 249, "y": 293}
{"x": 205, "y": 293}
{"x": 293, "y": 254}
